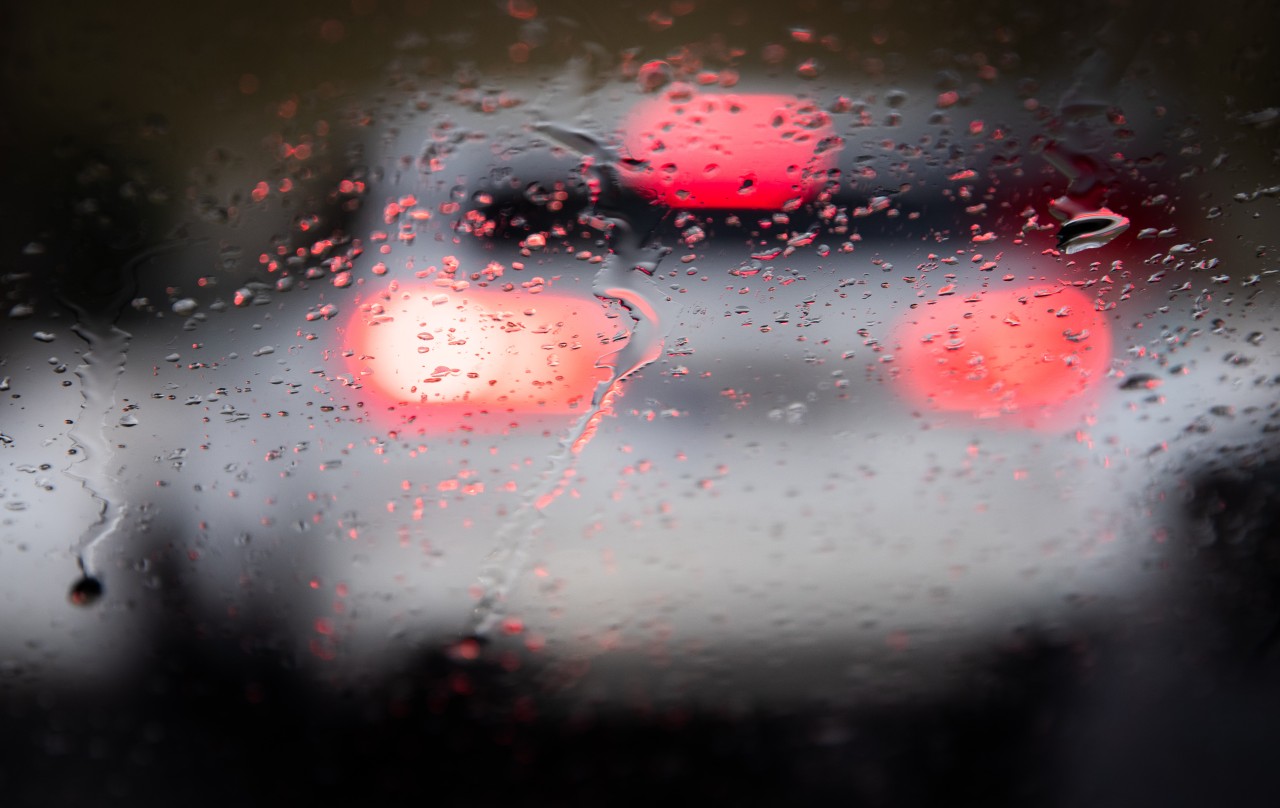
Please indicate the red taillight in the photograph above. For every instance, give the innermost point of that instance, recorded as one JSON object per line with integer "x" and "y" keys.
{"x": 480, "y": 350}
{"x": 750, "y": 151}
{"x": 1002, "y": 351}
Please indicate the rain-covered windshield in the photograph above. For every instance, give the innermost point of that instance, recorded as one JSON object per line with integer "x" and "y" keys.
{"x": 864, "y": 401}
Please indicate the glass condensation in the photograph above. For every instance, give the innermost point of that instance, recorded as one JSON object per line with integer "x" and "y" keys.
{"x": 698, "y": 361}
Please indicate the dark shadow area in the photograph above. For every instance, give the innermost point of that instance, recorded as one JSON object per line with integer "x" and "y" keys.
{"x": 212, "y": 721}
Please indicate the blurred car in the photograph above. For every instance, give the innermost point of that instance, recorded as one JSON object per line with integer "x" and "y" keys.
{"x": 782, "y": 405}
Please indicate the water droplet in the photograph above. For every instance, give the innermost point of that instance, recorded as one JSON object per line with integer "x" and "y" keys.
{"x": 1090, "y": 230}
{"x": 1140, "y": 381}
{"x": 809, "y": 69}
{"x": 653, "y": 75}
{"x": 86, "y": 591}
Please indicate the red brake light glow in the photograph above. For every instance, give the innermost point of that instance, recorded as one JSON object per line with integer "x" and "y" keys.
{"x": 728, "y": 151}
{"x": 1011, "y": 350}
{"x": 480, "y": 350}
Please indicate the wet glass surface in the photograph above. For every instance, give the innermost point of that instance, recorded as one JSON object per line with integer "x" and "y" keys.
{"x": 558, "y": 406}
